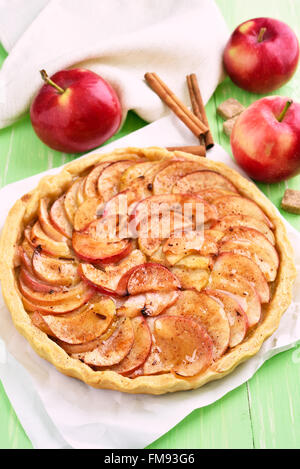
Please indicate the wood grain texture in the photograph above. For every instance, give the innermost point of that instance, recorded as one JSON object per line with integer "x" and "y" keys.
{"x": 265, "y": 412}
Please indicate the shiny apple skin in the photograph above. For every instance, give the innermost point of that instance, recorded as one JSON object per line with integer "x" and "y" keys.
{"x": 268, "y": 150}
{"x": 262, "y": 67}
{"x": 84, "y": 117}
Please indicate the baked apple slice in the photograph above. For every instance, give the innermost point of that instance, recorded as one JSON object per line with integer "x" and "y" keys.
{"x": 150, "y": 277}
{"x": 108, "y": 279}
{"x": 113, "y": 350}
{"x": 202, "y": 180}
{"x": 167, "y": 177}
{"x": 209, "y": 313}
{"x": 231, "y": 264}
{"x": 59, "y": 217}
{"x": 237, "y": 317}
{"x": 47, "y": 224}
{"x": 235, "y": 205}
{"x": 39, "y": 240}
{"x": 176, "y": 248}
{"x": 185, "y": 347}
{"x": 241, "y": 288}
{"x": 24, "y": 258}
{"x": 194, "y": 261}
{"x": 85, "y": 325}
{"x": 148, "y": 304}
{"x": 250, "y": 243}
{"x": 32, "y": 282}
{"x": 91, "y": 181}
{"x": 108, "y": 181}
{"x": 71, "y": 205}
{"x": 139, "y": 351}
{"x": 210, "y": 195}
{"x": 232, "y": 221}
{"x": 134, "y": 172}
{"x": 54, "y": 270}
{"x": 89, "y": 211}
{"x": 38, "y": 321}
{"x": 80, "y": 196}
{"x": 196, "y": 279}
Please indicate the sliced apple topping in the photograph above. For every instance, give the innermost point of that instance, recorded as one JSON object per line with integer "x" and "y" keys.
{"x": 231, "y": 264}
{"x": 113, "y": 350}
{"x": 40, "y": 240}
{"x": 210, "y": 195}
{"x": 176, "y": 248}
{"x": 35, "y": 284}
{"x": 184, "y": 346}
{"x": 84, "y": 325}
{"x": 108, "y": 181}
{"x": 234, "y": 205}
{"x": 80, "y": 196}
{"x": 229, "y": 222}
{"x": 148, "y": 304}
{"x": 47, "y": 224}
{"x": 151, "y": 278}
{"x": 59, "y": 217}
{"x": 237, "y": 317}
{"x": 54, "y": 270}
{"x": 108, "y": 279}
{"x": 191, "y": 278}
{"x": 38, "y": 321}
{"x": 194, "y": 261}
{"x": 250, "y": 243}
{"x": 70, "y": 202}
{"x": 140, "y": 349}
{"x": 89, "y": 211}
{"x": 166, "y": 178}
{"x": 202, "y": 180}
{"x": 243, "y": 289}
{"x": 134, "y": 172}
{"x": 209, "y": 313}
{"x": 91, "y": 181}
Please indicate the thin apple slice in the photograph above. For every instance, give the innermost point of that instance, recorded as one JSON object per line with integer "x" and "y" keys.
{"x": 237, "y": 317}
{"x": 148, "y": 304}
{"x": 165, "y": 180}
{"x": 251, "y": 243}
{"x": 158, "y": 257}
{"x": 210, "y": 195}
{"x": 229, "y": 222}
{"x": 40, "y": 240}
{"x": 134, "y": 172}
{"x": 80, "y": 196}
{"x": 113, "y": 350}
{"x": 47, "y": 224}
{"x": 202, "y": 180}
{"x": 59, "y": 217}
{"x": 89, "y": 211}
{"x": 53, "y": 270}
{"x": 25, "y": 259}
{"x": 140, "y": 349}
{"x": 176, "y": 248}
{"x": 196, "y": 279}
{"x": 108, "y": 279}
{"x": 62, "y": 307}
{"x": 231, "y": 264}
{"x": 84, "y": 325}
{"x": 234, "y": 205}
{"x": 243, "y": 289}
{"x": 71, "y": 205}
{"x": 91, "y": 181}
{"x": 150, "y": 278}
{"x": 209, "y": 313}
{"x": 54, "y": 296}
{"x": 108, "y": 181}
{"x": 194, "y": 261}
{"x": 38, "y": 321}
{"x": 35, "y": 284}
{"x": 185, "y": 347}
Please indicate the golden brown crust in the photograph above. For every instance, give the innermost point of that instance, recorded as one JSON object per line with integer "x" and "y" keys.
{"x": 24, "y": 211}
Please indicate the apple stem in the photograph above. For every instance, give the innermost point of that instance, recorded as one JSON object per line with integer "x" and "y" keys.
{"x": 48, "y": 80}
{"x": 262, "y": 32}
{"x": 285, "y": 109}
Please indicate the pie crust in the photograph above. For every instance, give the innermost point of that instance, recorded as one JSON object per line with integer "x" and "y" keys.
{"x": 25, "y": 210}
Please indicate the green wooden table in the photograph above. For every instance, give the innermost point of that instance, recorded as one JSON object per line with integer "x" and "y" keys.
{"x": 263, "y": 413}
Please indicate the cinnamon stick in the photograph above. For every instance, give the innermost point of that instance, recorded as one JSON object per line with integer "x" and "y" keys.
{"x": 198, "y": 150}
{"x": 195, "y": 106}
{"x": 199, "y": 108}
{"x": 184, "y": 114}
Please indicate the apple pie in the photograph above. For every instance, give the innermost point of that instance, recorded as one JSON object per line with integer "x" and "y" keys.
{"x": 146, "y": 271}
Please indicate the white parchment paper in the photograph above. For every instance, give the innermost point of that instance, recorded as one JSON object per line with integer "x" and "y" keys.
{"x": 60, "y": 412}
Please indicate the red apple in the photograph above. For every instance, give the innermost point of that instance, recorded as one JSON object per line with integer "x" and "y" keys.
{"x": 75, "y": 111}
{"x": 262, "y": 55}
{"x": 266, "y": 140}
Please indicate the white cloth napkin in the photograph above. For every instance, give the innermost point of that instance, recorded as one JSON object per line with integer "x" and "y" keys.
{"x": 119, "y": 39}
{"x": 57, "y": 411}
